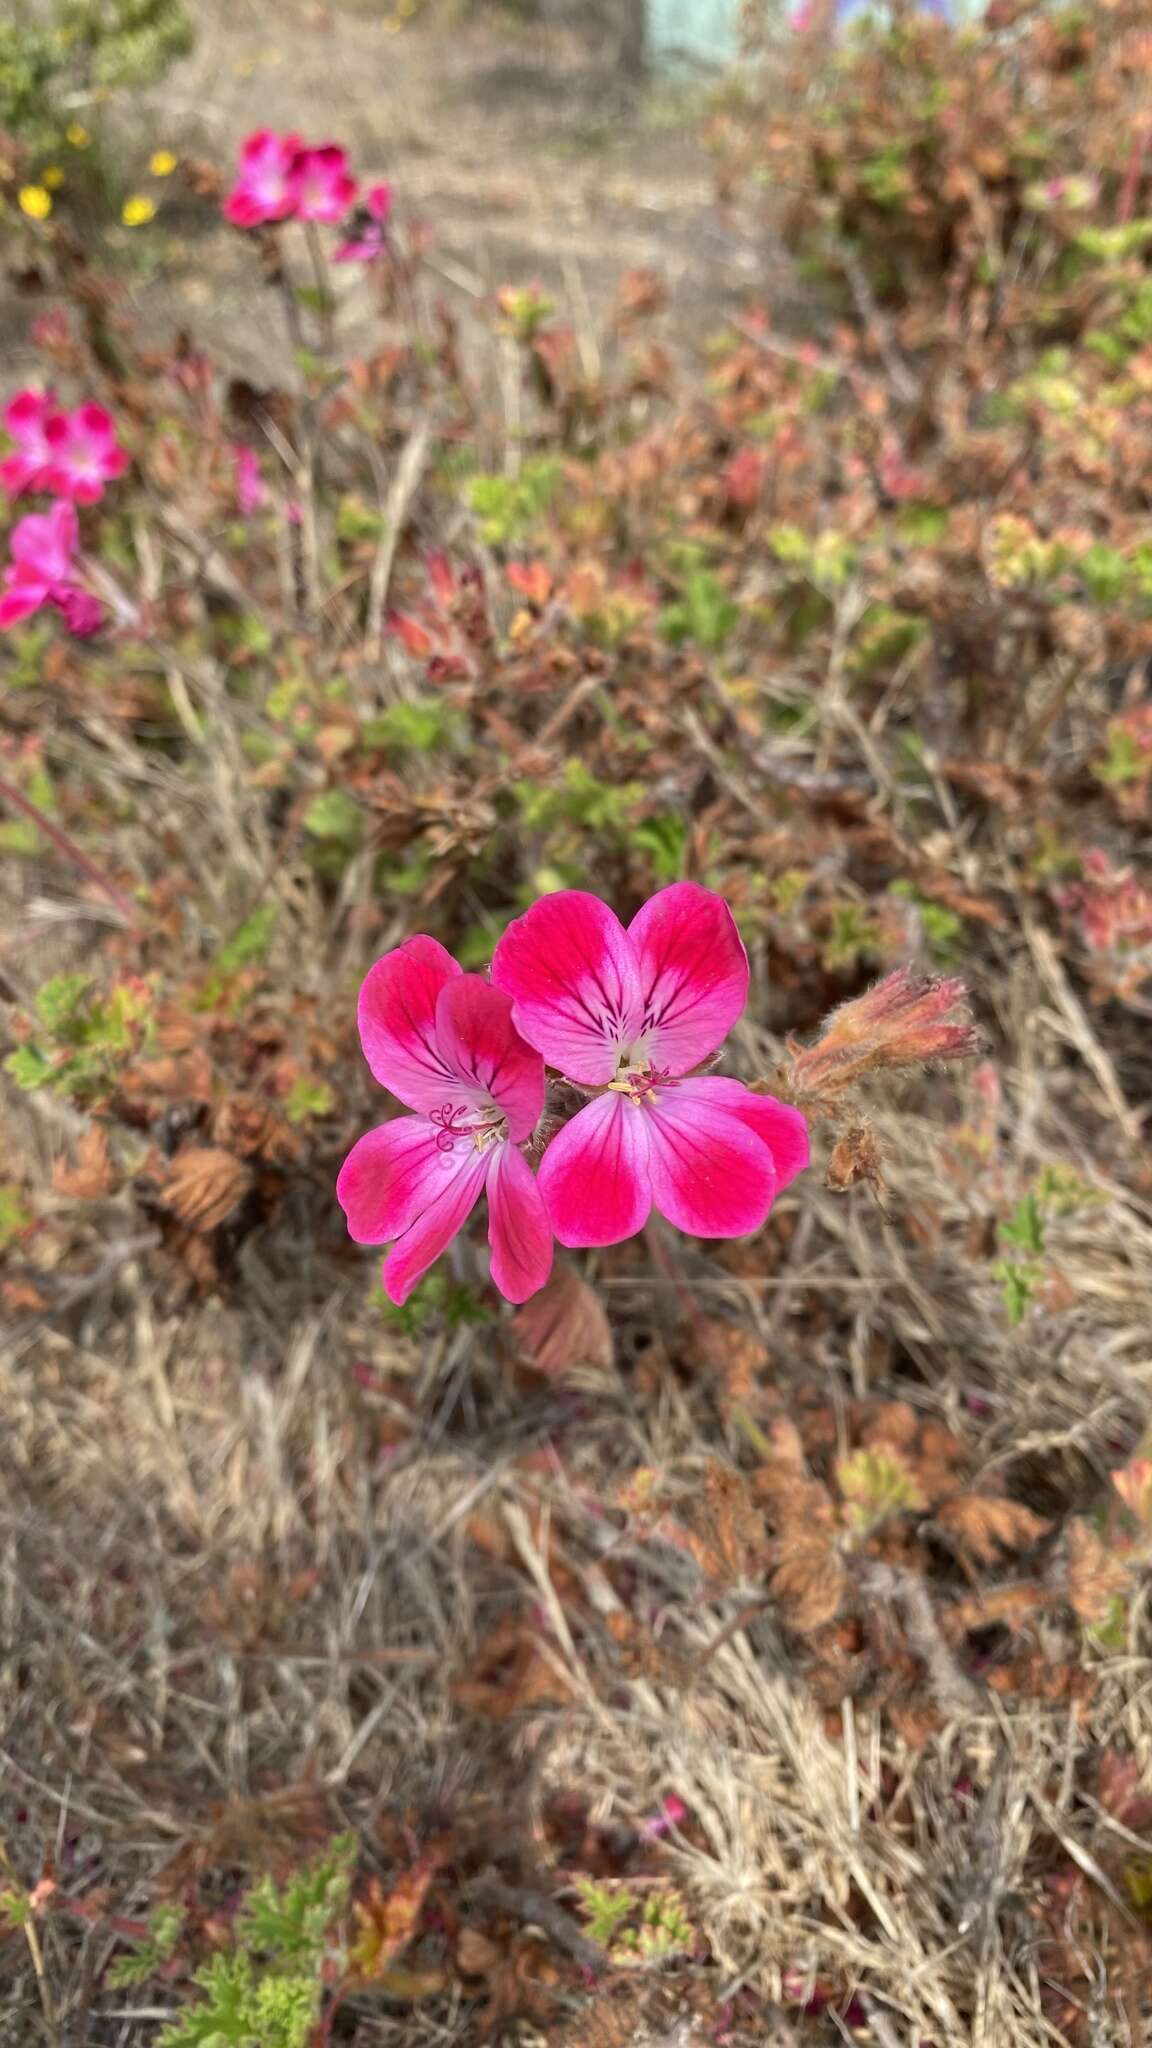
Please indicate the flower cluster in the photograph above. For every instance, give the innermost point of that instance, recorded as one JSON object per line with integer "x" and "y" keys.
{"x": 68, "y": 454}
{"x": 629, "y": 1017}
{"x": 71, "y": 456}
{"x": 280, "y": 177}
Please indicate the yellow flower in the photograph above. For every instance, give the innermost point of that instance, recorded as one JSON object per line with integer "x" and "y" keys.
{"x": 77, "y": 135}
{"x": 138, "y": 211}
{"x": 35, "y": 201}
{"x": 162, "y": 163}
{"x": 52, "y": 178}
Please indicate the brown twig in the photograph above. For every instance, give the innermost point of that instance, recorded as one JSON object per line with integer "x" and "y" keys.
{"x": 526, "y": 1904}
{"x": 66, "y": 845}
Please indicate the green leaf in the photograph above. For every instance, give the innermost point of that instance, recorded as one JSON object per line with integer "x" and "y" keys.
{"x": 29, "y": 1067}
{"x": 1025, "y": 1226}
{"x": 876, "y": 1482}
{"x": 249, "y": 943}
{"x": 308, "y": 1098}
{"x": 14, "y": 1216}
{"x": 58, "y": 1000}
{"x": 334, "y": 816}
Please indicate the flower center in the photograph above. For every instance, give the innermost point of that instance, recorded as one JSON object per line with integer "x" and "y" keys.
{"x": 483, "y": 1123}
{"x": 639, "y": 1080}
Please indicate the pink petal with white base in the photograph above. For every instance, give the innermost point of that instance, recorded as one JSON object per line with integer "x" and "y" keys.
{"x": 594, "y": 1177}
{"x": 477, "y": 1039}
{"x": 783, "y": 1129}
{"x": 571, "y": 973}
{"x": 518, "y": 1228}
{"x": 436, "y": 1226}
{"x": 397, "y": 1018}
{"x": 711, "y": 1175}
{"x": 693, "y": 974}
{"x": 392, "y": 1174}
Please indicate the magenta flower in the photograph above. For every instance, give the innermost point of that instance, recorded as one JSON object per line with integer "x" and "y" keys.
{"x": 42, "y": 572}
{"x": 251, "y": 489}
{"x": 630, "y": 1014}
{"x": 364, "y": 234}
{"x": 85, "y": 454}
{"x": 264, "y": 188}
{"x": 26, "y": 420}
{"x": 444, "y": 1043}
{"x": 322, "y": 186}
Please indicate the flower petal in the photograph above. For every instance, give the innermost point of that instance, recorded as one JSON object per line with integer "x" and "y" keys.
{"x": 594, "y": 1176}
{"x": 783, "y": 1129}
{"x": 711, "y": 1175}
{"x": 44, "y": 542}
{"x": 518, "y": 1228}
{"x": 477, "y": 1039}
{"x": 422, "y": 1244}
{"x": 693, "y": 974}
{"x": 392, "y": 1174}
{"x": 19, "y": 601}
{"x": 570, "y": 970}
{"x": 397, "y": 1018}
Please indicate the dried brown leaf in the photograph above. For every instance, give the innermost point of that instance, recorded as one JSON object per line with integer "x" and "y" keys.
{"x": 984, "y": 1524}
{"x": 90, "y": 1179}
{"x": 564, "y": 1325}
{"x": 1094, "y": 1574}
{"x": 808, "y": 1585}
{"x": 204, "y": 1185}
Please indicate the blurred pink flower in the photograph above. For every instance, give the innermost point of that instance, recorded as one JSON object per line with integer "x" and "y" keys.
{"x": 264, "y": 188}
{"x": 26, "y": 420}
{"x": 364, "y": 234}
{"x": 444, "y": 1043}
{"x": 251, "y": 489}
{"x": 321, "y": 185}
{"x": 42, "y": 571}
{"x": 631, "y": 1014}
{"x": 85, "y": 454}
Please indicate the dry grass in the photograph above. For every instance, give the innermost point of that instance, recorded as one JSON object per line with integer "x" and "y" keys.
{"x": 228, "y": 1614}
{"x": 256, "y": 1545}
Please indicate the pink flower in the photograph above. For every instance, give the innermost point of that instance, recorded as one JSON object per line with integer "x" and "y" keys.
{"x": 26, "y": 420}
{"x": 251, "y": 490}
{"x": 85, "y": 454}
{"x": 41, "y": 572}
{"x": 444, "y": 1043}
{"x": 364, "y": 234}
{"x": 264, "y": 188}
{"x": 321, "y": 184}
{"x": 631, "y": 1013}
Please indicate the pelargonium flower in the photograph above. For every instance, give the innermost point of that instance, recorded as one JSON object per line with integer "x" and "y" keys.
{"x": 364, "y": 234}
{"x": 85, "y": 454}
{"x": 444, "y": 1043}
{"x": 26, "y": 420}
{"x": 264, "y": 188}
{"x": 321, "y": 184}
{"x": 42, "y": 572}
{"x": 251, "y": 489}
{"x": 631, "y": 1014}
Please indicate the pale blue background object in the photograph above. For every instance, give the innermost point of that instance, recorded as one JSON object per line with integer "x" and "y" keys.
{"x": 708, "y": 30}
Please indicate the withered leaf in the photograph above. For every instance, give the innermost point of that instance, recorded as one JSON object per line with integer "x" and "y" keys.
{"x": 1094, "y": 1574}
{"x": 564, "y": 1325}
{"x": 204, "y": 1185}
{"x": 984, "y": 1524}
{"x": 808, "y": 1585}
{"x": 387, "y": 1920}
{"x": 91, "y": 1176}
